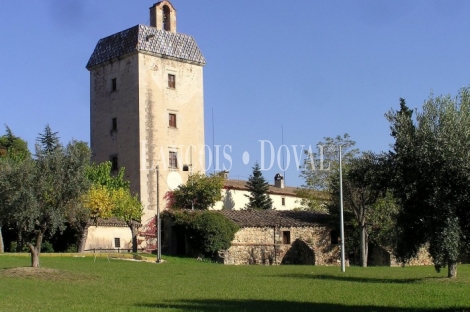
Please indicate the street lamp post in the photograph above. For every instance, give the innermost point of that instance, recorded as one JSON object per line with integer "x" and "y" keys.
{"x": 159, "y": 229}
{"x": 343, "y": 268}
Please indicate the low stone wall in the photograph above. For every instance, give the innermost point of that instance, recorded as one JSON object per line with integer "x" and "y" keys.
{"x": 274, "y": 246}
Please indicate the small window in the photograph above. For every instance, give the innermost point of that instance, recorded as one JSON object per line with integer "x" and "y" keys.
{"x": 172, "y": 120}
{"x": 173, "y": 160}
{"x": 117, "y": 242}
{"x": 114, "y": 127}
{"x": 286, "y": 237}
{"x": 114, "y": 163}
{"x": 334, "y": 237}
{"x": 171, "y": 81}
{"x": 283, "y": 201}
{"x": 113, "y": 84}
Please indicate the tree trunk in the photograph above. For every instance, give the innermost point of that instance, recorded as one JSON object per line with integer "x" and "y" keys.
{"x": 2, "y": 248}
{"x": 19, "y": 241}
{"x": 36, "y": 250}
{"x": 134, "y": 235}
{"x": 452, "y": 269}
{"x": 363, "y": 246}
{"x": 82, "y": 238}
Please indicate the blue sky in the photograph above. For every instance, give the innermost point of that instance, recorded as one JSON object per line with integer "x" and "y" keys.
{"x": 311, "y": 68}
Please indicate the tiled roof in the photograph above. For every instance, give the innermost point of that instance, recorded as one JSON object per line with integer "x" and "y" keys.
{"x": 287, "y": 190}
{"x": 270, "y": 218}
{"x": 147, "y": 39}
{"x": 111, "y": 222}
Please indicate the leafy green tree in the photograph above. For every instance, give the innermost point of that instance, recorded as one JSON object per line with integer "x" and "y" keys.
{"x": 363, "y": 186}
{"x": 200, "y": 192}
{"x": 13, "y": 146}
{"x": 258, "y": 188}
{"x": 208, "y": 232}
{"x": 109, "y": 196}
{"x": 431, "y": 172}
{"x": 129, "y": 209}
{"x": 38, "y": 193}
{"x": 16, "y": 192}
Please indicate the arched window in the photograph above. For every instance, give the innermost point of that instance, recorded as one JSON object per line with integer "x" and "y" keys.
{"x": 166, "y": 18}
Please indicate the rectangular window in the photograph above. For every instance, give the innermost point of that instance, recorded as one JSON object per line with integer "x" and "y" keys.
{"x": 113, "y": 84}
{"x": 334, "y": 237}
{"x": 283, "y": 201}
{"x": 171, "y": 81}
{"x": 114, "y": 163}
{"x": 286, "y": 237}
{"x": 114, "y": 124}
{"x": 173, "y": 160}
{"x": 117, "y": 242}
{"x": 172, "y": 120}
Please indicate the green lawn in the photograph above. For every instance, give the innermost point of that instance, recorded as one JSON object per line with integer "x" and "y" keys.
{"x": 80, "y": 284}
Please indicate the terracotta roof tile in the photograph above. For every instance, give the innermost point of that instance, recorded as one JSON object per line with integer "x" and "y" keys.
{"x": 271, "y": 218}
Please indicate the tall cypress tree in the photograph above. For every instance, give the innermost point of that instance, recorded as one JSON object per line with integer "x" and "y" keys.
{"x": 258, "y": 187}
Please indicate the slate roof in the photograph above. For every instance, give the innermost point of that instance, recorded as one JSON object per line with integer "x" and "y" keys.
{"x": 146, "y": 39}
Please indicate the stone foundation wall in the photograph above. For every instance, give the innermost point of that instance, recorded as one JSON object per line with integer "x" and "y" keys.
{"x": 268, "y": 246}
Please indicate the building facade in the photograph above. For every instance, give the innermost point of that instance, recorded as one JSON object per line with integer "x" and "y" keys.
{"x": 147, "y": 106}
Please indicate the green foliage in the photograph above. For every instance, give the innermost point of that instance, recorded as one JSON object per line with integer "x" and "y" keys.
{"x": 258, "y": 188}
{"x": 200, "y": 192}
{"x": 432, "y": 169}
{"x": 47, "y": 247}
{"x": 36, "y": 195}
{"x": 48, "y": 141}
{"x": 12, "y": 146}
{"x": 208, "y": 231}
{"x": 364, "y": 185}
{"x": 100, "y": 174}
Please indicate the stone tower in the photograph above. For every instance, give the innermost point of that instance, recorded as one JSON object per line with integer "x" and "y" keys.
{"x": 147, "y": 106}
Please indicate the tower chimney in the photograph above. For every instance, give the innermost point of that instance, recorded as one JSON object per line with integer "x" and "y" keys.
{"x": 163, "y": 16}
{"x": 279, "y": 180}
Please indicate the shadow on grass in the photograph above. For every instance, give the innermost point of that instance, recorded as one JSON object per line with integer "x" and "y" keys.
{"x": 212, "y": 305}
{"x": 359, "y": 279}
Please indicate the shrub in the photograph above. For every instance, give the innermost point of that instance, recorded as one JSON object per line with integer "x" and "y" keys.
{"x": 208, "y": 231}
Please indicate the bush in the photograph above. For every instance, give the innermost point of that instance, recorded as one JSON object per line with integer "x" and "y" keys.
{"x": 208, "y": 231}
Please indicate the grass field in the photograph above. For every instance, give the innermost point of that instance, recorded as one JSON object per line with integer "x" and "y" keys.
{"x": 178, "y": 284}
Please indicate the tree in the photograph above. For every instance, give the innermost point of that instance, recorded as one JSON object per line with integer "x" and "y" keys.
{"x": 207, "y": 231}
{"x": 16, "y": 191}
{"x": 48, "y": 140}
{"x": 363, "y": 186}
{"x": 37, "y": 193}
{"x": 258, "y": 187}
{"x": 11, "y": 147}
{"x": 200, "y": 192}
{"x": 129, "y": 209}
{"x": 431, "y": 172}
{"x": 109, "y": 196}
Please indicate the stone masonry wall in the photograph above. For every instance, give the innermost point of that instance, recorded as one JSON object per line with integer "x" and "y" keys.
{"x": 265, "y": 246}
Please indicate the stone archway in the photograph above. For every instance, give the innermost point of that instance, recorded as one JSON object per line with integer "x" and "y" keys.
{"x": 299, "y": 253}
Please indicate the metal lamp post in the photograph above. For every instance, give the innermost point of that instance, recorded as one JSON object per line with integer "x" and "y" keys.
{"x": 343, "y": 267}
{"x": 159, "y": 229}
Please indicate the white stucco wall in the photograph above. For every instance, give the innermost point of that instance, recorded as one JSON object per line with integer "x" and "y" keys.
{"x": 237, "y": 199}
